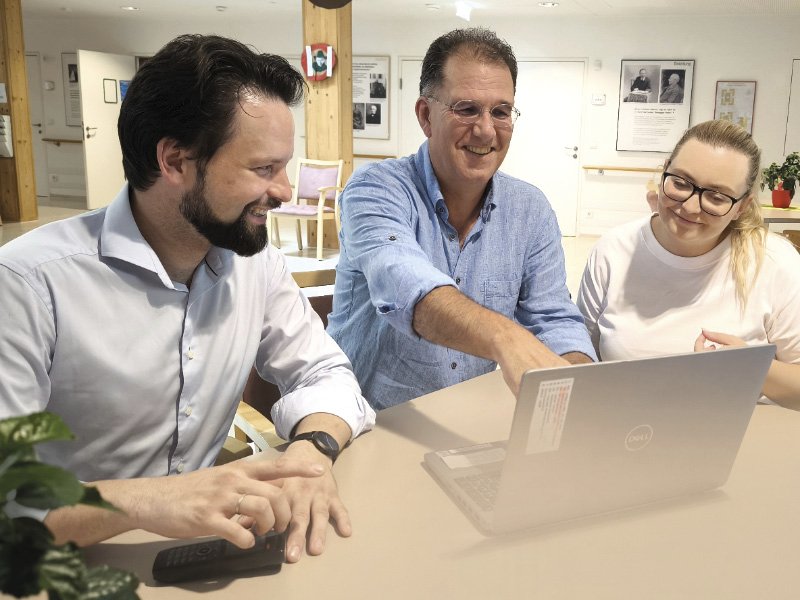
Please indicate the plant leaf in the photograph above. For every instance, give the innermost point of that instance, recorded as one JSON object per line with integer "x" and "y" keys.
{"x": 8, "y": 461}
{"x": 31, "y": 429}
{"x": 92, "y": 497}
{"x": 62, "y": 572}
{"x": 107, "y": 583}
{"x": 23, "y": 543}
{"x": 41, "y": 486}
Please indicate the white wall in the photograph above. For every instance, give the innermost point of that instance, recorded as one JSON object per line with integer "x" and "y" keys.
{"x": 749, "y": 48}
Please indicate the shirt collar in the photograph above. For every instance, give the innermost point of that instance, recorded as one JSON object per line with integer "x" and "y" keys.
{"x": 434, "y": 196}
{"x": 121, "y": 239}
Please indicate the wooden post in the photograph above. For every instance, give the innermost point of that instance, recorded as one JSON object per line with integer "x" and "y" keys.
{"x": 17, "y": 180}
{"x": 329, "y": 103}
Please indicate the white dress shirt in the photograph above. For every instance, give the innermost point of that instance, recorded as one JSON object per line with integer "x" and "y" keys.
{"x": 146, "y": 372}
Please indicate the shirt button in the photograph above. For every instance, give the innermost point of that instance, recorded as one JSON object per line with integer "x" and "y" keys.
{"x": 392, "y": 238}
{"x": 453, "y": 365}
{"x": 458, "y": 279}
{"x": 452, "y": 237}
{"x": 179, "y": 468}
{"x": 190, "y": 354}
{"x": 440, "y": 210}
{"x": 188, "y": 411}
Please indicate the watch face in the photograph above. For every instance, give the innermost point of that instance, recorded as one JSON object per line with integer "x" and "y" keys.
{"x": 326, "y": 443}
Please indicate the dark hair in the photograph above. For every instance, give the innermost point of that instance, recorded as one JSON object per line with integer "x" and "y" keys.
{"x": 189, "y": 92}
{"x": 476, "y": 42}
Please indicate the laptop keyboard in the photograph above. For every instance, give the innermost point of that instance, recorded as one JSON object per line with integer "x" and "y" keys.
{"x": 482, "y": 487}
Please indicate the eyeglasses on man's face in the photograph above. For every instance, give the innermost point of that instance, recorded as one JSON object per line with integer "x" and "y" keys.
{"x": 468, "y": 112}
{"x": 713, "y": 202}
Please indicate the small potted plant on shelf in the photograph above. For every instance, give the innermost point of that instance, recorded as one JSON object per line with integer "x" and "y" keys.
{"x": 782, "y": 180}
{"x": 30, "y": 560}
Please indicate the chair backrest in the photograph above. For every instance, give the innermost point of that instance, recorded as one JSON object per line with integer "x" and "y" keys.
{"x": 315, "y": 174}
{"x": 793, "y": 235}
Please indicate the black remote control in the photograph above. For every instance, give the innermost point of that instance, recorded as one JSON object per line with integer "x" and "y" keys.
{"x": 216, "y": 558}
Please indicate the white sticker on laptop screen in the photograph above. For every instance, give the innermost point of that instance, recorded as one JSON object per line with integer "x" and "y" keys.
{"x": 549, "y": 415}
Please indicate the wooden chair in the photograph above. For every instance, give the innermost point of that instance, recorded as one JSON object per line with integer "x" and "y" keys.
{"x": 316, "y": 182}
{"x": 793, "y": 235}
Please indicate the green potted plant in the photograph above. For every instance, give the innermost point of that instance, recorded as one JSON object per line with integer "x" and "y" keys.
{"x": 782, "y": 180}
{"x": 30, "y": 560}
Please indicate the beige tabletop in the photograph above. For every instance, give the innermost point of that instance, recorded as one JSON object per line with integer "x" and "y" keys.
{"x": 780, "y": 215}
{"x": 411, "y": 541}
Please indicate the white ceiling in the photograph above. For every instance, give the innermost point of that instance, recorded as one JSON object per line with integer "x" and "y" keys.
{"x": 406, "y": 9}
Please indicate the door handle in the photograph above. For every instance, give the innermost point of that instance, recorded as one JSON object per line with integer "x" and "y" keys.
{"x": 573, "y": 148}
{"x": 36, "y": 124}
{"x": 89, "y": 131}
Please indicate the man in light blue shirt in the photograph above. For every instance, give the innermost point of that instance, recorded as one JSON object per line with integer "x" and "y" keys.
{"x": 447, "y": 266}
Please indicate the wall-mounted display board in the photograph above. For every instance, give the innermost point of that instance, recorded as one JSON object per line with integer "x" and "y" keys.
{"x": 72, "y": 88}
{"x": 371, "y": 97}
{"x": 655, "y": 100}
{"x": 735, "y": 101}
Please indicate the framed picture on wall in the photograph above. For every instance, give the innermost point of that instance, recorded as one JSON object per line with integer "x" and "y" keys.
{"x": 72, "y": 88}
{"x": 371, "y": 97}
{"x": 110, "y": 91}
{"x": 655, "y": 103}
{"x": 735, "y": 101}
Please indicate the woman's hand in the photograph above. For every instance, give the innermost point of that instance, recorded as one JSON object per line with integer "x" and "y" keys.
{"x": 712, "y": 340}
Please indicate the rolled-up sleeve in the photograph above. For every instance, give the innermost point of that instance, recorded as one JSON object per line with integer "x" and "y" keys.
{"x": 309, "y": 368}
{"x": 378, "y": 229}
{"x": 545, "y": 307}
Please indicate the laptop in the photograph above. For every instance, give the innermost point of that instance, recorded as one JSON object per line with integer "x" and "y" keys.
{"x": 595, "y": 438}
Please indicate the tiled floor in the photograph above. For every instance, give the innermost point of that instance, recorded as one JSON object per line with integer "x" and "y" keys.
{"x": 576, "y": 249}
{"x": 47, "y": 214}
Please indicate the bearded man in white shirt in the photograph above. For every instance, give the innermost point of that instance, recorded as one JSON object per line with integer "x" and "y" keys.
{"x": 139, "y": 323}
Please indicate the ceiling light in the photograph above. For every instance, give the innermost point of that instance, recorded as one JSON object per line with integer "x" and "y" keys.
{"x": 548, "y": 4}
{"x": 221, "y": 8}
{"x": 431, "y": 6}
{"x": 463, "y": 10}
{"x": 128, "y": 8}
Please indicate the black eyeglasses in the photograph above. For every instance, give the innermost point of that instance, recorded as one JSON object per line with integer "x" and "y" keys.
{"x": 712, "y": 202}
{"x": 468, "y": 112}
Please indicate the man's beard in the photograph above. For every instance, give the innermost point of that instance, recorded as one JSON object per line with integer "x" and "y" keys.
{"x": 239, "y": 236}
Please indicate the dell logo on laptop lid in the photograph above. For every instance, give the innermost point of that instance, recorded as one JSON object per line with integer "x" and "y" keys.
{"x": 638, "y": 437}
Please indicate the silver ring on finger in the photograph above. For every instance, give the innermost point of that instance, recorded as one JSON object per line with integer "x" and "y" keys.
{"x": 239, "y": 504}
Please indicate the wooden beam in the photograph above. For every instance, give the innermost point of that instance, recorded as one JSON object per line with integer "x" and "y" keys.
{"x": 329, "y": 103}
{"x": 17, "y": 181}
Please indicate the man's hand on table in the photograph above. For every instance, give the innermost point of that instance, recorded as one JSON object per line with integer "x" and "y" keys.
{"x": 227, "y": 500}
{"x": 313, "y": 502}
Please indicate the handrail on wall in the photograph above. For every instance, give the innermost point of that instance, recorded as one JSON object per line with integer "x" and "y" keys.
{"x": 374, "y": 156}
{"x": 59, "y": 141}
{"x": 601, "y": 169}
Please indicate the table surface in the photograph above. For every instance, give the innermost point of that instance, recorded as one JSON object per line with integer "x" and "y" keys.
{"x": 780, "y": 215}
{"x": 411, "y": 541}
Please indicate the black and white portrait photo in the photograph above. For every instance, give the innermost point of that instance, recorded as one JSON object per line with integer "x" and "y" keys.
{"x": 640, "y": 83}
{"x": 374, "y": 114}
{"x": 672, "y": 86}
{"x": 377, "y": 86}
{"x": 358, "y": 115}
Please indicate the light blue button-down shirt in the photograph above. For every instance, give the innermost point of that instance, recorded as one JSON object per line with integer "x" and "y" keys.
{"x": 397, "y": 245}
{"x": 145, "y": 371}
